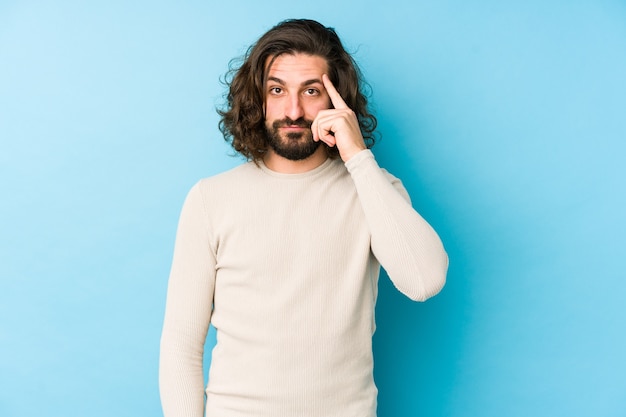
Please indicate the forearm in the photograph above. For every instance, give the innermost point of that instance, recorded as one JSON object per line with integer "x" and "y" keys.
{"x": 181, "y": 380}
{"x": 403, "y": 242}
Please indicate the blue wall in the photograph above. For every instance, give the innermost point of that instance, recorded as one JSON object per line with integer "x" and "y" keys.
{"x": 504, "y": 119}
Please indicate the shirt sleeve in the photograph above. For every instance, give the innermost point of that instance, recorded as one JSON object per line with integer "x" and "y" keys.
{"x": 402, "y": 241}
{"x": 187, "y": 313}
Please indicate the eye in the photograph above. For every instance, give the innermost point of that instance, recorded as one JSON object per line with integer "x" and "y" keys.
{"x": 311, "y": 92}
{"x": 276, "y": 91}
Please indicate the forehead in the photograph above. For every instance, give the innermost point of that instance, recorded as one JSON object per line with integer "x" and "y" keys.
{"x": 296, "y": 67}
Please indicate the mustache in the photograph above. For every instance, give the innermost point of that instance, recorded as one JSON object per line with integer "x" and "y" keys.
{"x": 300, "y": 122}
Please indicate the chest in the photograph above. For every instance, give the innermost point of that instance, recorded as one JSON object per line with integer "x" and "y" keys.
{"x": 291, "y": 220}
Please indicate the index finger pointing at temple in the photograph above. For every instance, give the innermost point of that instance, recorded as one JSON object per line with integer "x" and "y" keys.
{"x": 334, "y": 95}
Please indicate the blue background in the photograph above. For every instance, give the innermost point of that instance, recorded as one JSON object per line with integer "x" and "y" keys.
{"x": 505, "y": 121}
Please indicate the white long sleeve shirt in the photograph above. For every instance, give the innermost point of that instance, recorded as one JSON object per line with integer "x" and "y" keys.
{"x": 285, "y": 267}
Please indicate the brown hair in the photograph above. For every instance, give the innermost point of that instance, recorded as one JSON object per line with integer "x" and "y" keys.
{"x": 243, "y": 121}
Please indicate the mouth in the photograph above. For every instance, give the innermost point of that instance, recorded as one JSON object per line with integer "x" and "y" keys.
{"x": 287, "y": 123}
{"x": 292, "y": 129}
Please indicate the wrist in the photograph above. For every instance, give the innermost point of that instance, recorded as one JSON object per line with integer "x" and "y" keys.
{"x": 346, "y": 156}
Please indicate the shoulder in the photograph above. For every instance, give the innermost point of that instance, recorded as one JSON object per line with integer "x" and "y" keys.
{"x": 233, "y": 177}
{"x": 390, "y": 177}
{"x": 365, "y": 169}
{"x": 206, "y": 191}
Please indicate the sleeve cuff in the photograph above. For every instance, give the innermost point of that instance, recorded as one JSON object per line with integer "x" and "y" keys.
{"x": 358, "y": 159}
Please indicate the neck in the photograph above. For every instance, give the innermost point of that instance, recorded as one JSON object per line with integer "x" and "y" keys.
{"x": 282, "y": 165}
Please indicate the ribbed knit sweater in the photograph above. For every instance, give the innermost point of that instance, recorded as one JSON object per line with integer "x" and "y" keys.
{"x": 285, "y": 267}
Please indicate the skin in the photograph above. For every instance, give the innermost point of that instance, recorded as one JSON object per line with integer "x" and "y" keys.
{"x": 298, "y": 87}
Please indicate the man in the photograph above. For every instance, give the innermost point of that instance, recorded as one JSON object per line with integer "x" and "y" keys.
{"x": 282, "y": 254}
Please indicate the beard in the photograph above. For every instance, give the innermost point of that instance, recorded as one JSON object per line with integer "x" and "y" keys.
{"x": 294, "y": 146}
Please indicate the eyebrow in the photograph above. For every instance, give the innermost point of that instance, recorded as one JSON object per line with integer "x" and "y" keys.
{"x": 305, "y": 83}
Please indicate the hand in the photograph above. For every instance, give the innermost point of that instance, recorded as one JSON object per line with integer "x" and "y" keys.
{"x": 339, "y": 126}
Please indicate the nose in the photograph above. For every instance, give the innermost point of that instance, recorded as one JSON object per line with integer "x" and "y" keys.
{"x": 293, "y": 108}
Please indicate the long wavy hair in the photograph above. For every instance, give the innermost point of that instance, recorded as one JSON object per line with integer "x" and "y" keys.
{"x": 243, "y": 120}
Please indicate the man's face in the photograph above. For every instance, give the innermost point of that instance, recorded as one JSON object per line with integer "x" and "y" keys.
{"x": 294, "y": 94}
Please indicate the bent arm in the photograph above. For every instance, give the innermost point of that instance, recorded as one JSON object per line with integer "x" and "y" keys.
{"x": 187, "y": 314}
{"x": 403, "y": 242}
